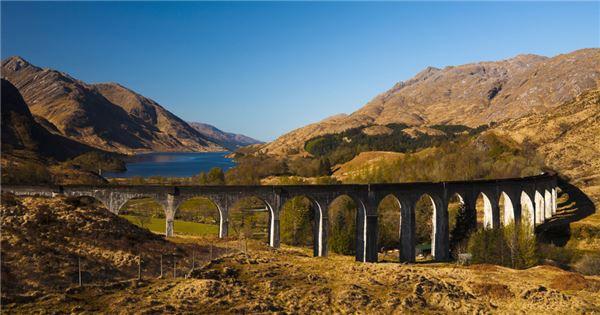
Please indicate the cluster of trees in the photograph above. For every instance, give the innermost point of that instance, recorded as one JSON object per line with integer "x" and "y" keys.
{"x": 342, "y": 147}
{"x": 250, "y": 169}
{"x": 485, "y": 156}
{"x": 214, "y": 176}
{"x": 512, "y": 246}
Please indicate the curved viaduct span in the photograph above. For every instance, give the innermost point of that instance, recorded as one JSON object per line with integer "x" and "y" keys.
{"x": 528, "y": 197}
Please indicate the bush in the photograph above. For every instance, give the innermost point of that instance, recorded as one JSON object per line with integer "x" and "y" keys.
{"x": 488, "y": 247}
{"x": 588, "y": 265}
{"x": 511, "y": 246}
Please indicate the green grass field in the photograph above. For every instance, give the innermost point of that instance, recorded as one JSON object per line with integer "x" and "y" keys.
{"x": 181, "y": 227}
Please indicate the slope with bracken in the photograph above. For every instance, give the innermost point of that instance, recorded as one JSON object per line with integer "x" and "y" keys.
{"x": 106, "y": 116}
{"x": 471, "y": 94}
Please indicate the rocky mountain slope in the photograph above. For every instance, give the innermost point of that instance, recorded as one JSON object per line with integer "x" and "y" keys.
{"x": 20, "y": 131}
{"x": 106, "y": 116}
{"x": 471, "y": 94}
{"x": 228, "y": 140}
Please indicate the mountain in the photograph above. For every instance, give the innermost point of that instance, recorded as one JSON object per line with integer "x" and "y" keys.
{"x": 470, "y": 94}
{"x": 228, "y": 140}
{"x": 20, "y": 131}
{"x": 107, "y": 116}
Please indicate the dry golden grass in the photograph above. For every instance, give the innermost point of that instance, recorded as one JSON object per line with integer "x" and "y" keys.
{"x": 249, "y": 277}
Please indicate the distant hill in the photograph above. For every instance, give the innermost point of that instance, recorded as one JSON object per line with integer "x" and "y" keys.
{"x": 470, "y": 94}
{"x": 106, "y": 116}
{"x": 228, "y": 140}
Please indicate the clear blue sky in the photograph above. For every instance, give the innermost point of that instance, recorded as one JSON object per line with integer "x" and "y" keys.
{"x": 269, "y": 67}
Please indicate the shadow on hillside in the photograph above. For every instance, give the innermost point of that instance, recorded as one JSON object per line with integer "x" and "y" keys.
{"x": 578, "y": 206}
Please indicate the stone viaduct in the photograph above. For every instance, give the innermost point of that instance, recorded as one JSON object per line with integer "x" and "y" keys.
{"x": 528, "y": 197}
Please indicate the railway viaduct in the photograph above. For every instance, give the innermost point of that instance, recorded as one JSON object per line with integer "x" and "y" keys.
{"x": 532, "y": 197}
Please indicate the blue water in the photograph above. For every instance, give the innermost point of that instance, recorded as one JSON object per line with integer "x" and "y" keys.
{"x": 174, "y": 164}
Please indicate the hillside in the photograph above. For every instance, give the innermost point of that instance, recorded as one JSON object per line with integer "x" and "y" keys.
{"x": 470, "y": 94}
{"x": 43, "y": 238}
{"x": 228, "y": 140}
{"x": 106, "y": 116}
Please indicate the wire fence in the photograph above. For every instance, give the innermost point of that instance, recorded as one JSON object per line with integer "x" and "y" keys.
{"x": 90, "y": 271}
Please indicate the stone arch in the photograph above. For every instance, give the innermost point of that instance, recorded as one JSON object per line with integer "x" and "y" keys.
{"x": 119, "y": 200}
{"x": 554, "y": 200}
{"x": 539, "y": 207}
{"x": 548, "y": 204}
{"x": 222, "y": 216}
{"x": 273, "y": 216}
{"x": 455, "y": 202}
{"x": 527, "y": 208}
{"x": 508, "y": 207}
{"x": 389, "y": 224}
{"x": 488, "y": 211}
{"x": 318, "y": 226}
{"x": 360, "y": 222}
{"x": 433, "y": 233}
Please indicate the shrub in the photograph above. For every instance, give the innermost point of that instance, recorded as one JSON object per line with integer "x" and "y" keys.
{"x": 589, "y": 265}
{"x": 488, "y": 246}
{"x": 511, "y": 246}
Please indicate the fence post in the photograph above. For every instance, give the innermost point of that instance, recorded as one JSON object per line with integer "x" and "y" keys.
{"x": 211, "y": 251}
{"x": 161, "y": 265}
{"x": 140, "y": 267}
{"x": 79, "y": 269}
{"x": 193, "y": 259}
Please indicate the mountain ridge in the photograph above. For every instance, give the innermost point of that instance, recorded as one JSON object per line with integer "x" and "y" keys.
{"x": 229, "y": 140}
{"x": 107, "y": 116}
{"x": 471, "y": 94}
